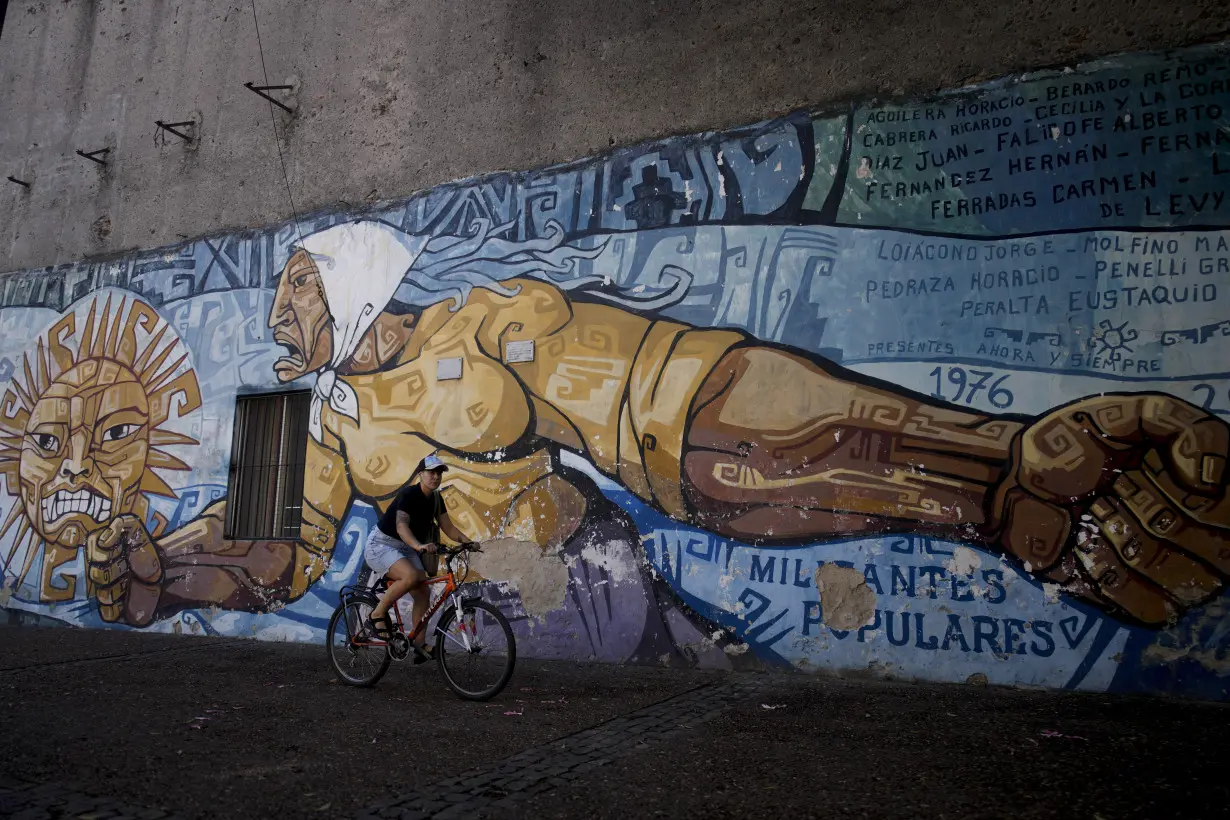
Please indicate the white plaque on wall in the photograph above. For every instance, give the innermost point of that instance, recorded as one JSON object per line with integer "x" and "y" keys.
{"x": 515, "y": 352}
{"x": 448, "y": 369}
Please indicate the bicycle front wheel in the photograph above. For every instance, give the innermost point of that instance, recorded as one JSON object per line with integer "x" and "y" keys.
{"x": 476, "y": 651}
{"x": 357, "y": 659}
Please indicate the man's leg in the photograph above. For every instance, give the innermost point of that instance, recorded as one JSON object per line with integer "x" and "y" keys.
{"x": 421, "y": 595}
{"x": 403, "y": 577}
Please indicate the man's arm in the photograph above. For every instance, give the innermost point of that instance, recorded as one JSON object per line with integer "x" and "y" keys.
{"x": 404, "y": 532}
{"x": 449, "y": 529}
{"x": 446, "y": 526}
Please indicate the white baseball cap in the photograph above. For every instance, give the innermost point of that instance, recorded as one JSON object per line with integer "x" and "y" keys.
{"x": 432, "y": 462}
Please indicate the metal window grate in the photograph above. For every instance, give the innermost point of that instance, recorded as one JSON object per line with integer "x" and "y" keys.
{"x": 265, "y": 493}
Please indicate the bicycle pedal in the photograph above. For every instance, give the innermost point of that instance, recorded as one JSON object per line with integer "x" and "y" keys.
{"x": 399, "y": 648}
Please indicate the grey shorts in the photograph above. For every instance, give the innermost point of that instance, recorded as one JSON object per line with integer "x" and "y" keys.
{"x": 381, "y": 552}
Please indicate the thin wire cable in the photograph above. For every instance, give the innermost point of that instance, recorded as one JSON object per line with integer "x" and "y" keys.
{"x": 273, "y": 118}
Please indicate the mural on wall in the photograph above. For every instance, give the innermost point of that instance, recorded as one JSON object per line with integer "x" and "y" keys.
{"x": 82, "y": 432}
{"x": 933, "y": 389}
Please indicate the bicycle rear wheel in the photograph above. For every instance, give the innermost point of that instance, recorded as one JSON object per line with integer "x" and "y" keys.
{"x": 356, "y": 658}
{"x": 476, "y": 652}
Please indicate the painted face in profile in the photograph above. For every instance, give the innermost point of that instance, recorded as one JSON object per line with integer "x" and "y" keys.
{"x": 300, "y": 319}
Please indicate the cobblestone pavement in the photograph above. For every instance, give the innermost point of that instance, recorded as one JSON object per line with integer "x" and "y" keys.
{"x": 111, "y": 724}
{"x": 20, "y": 800}
{"x": 563, "y": 761}
{"x": 209, "y": 727}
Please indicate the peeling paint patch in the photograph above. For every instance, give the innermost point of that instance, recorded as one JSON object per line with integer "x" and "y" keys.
{"x": 1200, "y": 639}
{"x": 846, "y": 600}
{"x": 614, "y": 557}
{"x": 541, "y": 579}
{"x": 964, "y": 561}
{"x": 1162, "y": 655}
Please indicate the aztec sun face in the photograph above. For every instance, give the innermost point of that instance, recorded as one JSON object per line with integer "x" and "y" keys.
{"x": 79, "y": 435}
{"x": 85, "y": 451}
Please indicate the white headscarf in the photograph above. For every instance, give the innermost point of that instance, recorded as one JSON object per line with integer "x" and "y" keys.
{"x": 361, "y": 264}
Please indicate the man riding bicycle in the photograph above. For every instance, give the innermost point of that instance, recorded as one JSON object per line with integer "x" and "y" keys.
{"x": 407, "y": 532}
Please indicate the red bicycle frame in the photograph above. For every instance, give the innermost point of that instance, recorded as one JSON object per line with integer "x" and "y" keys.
{"x": 450, "y": 586}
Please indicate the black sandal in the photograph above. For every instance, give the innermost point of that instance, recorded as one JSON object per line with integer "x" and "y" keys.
{"x": 423, "y": 654}
{"x": 383, "y": 633}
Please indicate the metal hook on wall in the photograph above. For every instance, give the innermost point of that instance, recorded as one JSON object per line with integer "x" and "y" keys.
{"x": 261, "y": 89}
{"x": 92, "y": 156}
{"x": 172, "y": 126}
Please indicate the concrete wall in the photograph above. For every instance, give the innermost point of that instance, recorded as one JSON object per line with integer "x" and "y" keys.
{"x": 931, "y": 388}
{"x": 395, "y": 97}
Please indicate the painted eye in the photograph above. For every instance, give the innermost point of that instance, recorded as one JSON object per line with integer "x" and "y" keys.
{"x": 119, "y": 431}
{"x": 47, "y": 442}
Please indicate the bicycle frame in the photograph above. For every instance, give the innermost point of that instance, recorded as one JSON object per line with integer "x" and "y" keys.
{"x": 451, "y": 587}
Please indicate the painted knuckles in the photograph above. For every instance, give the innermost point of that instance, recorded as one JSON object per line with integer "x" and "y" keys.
{"x": 1121, "y": 499}
{"x": 126, "y": 571}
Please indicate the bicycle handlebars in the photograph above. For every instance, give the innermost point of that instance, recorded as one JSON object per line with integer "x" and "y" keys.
{"x": 468, "y": 546}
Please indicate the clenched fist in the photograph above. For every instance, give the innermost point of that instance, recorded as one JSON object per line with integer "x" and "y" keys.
{"x": 1122, "y": 500}
{"x": 126, "y": 570}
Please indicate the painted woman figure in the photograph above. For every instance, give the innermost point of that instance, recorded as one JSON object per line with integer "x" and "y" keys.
{"x": 1120, "y": 499}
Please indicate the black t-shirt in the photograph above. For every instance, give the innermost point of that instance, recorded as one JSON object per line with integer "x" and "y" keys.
{"x": 424, "y": 512}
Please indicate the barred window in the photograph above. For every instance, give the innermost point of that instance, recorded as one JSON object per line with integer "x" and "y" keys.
{"x": 265, "y": 487}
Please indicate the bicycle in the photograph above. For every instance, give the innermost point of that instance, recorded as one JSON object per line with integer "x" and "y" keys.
{"x": 471, "y": 634}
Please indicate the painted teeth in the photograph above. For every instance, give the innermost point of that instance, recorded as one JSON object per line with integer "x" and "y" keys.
{"x": 63, "y": 503}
